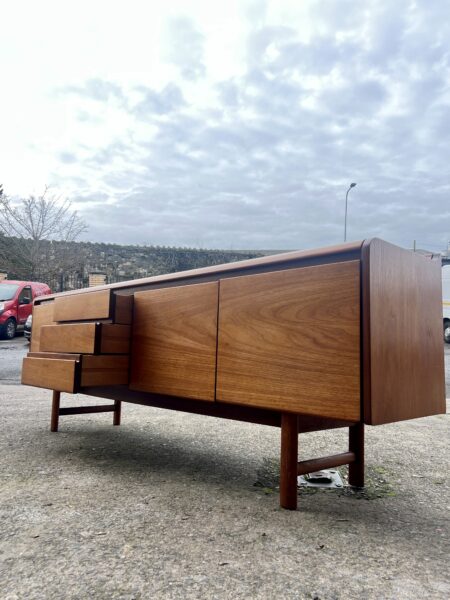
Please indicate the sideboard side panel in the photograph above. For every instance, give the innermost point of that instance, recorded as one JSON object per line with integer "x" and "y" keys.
{"x": 290, "y": 341}
{"x": 402, "y": 331}
{"x": 42, "y": 315}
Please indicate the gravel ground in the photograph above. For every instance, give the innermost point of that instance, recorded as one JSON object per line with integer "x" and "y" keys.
{"x": 165, "y": 506}
{"x": 11, "y": 354}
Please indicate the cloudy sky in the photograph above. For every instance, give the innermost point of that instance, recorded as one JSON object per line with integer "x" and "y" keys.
{"x": 235, "y": 124}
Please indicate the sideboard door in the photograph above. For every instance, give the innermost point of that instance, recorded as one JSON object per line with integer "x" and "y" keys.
{"x": 290, "y": 340}
{"x": 174, "y": 341}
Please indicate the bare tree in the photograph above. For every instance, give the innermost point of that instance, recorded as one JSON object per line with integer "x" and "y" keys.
{"x": 36, "y": 235}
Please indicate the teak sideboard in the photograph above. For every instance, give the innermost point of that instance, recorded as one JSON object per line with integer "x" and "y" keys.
{"x": 344, "y": 336}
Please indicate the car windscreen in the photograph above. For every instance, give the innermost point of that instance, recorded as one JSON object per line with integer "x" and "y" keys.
{"x": 7, "y": 291}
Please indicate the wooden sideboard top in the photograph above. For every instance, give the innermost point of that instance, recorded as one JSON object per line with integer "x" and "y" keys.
{"x": 275, "y": 262}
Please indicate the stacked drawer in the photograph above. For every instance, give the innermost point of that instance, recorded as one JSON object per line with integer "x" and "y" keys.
{"x": 80, "y": 340}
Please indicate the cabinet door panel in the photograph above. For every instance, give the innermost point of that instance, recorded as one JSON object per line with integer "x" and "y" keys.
{"x": 174, "y": 341}
{"x": 290, "y": 340}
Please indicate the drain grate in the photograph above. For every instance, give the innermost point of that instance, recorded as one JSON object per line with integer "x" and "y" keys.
{"x": 328, "y": 478}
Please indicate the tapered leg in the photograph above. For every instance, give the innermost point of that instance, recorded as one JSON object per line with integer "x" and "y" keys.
{"x": 117, "y": 412}
{"x": 55, "y": 411}
{"x": 356, "y": 445}
{"x": 289, "y": 460}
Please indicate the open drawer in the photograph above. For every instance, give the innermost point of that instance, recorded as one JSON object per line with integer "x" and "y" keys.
{"x": 71, "y": 372}
{"x": 94, "y": 306}
{"x": 85, "y": 338}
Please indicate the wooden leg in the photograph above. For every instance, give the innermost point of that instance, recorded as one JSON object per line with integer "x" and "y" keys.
{"x": 289, "y": 460}
{"x": 55, "y": 411}
{"x": 117, "y": 412}
{"x": 356, "y": 445}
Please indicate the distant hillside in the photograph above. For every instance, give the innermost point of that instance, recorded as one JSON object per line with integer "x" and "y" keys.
{"x": 68, "y": 266}
{"x": 143, "y": 261}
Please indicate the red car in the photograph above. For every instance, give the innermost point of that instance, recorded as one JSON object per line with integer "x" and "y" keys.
{"x": 16, "y": 303}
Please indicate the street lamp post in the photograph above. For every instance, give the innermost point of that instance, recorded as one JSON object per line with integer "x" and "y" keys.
{"x": 352, "y": 185}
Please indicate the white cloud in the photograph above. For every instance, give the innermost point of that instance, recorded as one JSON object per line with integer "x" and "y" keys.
{"x": 237, "y": 124}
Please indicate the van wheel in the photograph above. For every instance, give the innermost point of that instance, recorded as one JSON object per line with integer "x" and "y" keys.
{"x": 447, "y": 332}
{"x": 10, "y": 329}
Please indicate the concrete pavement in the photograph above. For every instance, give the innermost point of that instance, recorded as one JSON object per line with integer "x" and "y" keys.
{"x": 165, "y": 506}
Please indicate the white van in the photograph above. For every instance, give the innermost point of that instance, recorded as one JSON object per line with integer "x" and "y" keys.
{"x": 446, "y": 301}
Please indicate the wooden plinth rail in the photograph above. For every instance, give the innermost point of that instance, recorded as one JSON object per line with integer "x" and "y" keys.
{"x": 290, "y": 468}
{"x": 326, "y": 462}
{"x": 57, "y": 411}
{"x": 82, "y": 410}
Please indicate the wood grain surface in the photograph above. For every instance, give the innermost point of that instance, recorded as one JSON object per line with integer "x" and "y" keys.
{"x": 290, "y": 340}
{"x": 69, "y": 337}
{"x": 62, "y": 355}
{"x": 114, "y": 339}
{"x": 50, "y": 373}
{"x": 402, "y": 324}
{"x": 42, "y": 315}
{"x": 86, "y": 338}
{"x": 123, "y": 309}
{"x": 104, "y": 370}
{"x": 86, "y": 307}
{"x": 174, "y": 341}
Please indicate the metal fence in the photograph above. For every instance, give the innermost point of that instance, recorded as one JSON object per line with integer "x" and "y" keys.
{"x": 74, "y": 281}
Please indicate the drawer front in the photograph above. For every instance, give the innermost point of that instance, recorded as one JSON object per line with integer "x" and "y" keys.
{"x": 94, "y": 306}
{"x": 290, "y": 341}
{"x": 86, "y": 338}
{"x": 79, "y": 338}
{"x": 83, "y": 307}
{"x": 60, "y": 372}
{"x": 51, "y": 373}
{"x": 104, "y": 370}
{"x": 174, "y": 341}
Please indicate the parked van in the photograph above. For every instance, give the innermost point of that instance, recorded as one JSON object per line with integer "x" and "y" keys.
{"x": 446, "y": 301}
{"x": 16, "y": 303}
